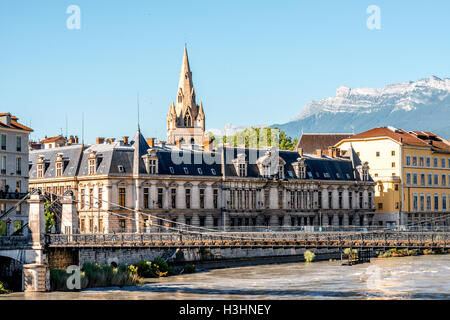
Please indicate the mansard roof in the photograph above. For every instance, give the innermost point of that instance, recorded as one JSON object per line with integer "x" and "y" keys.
{"x": 117, "y": 159}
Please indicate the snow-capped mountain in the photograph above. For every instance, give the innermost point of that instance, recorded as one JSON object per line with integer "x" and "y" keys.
{"x": 421, "y": 105}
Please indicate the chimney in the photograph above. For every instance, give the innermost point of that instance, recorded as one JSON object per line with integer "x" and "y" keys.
{"x": 151, "y": 142}
{"x": 337, "y": 152}
{"x": 319, "y": 153}
{"x": 6, "y": 119}
{"x": 125, "y": 140}
{"x": 300, "y": 152}
{"x": 100, "y": 140}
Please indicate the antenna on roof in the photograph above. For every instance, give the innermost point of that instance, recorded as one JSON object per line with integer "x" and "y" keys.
{"x": 82, "y": 127}
{"x": 139, "y": 128}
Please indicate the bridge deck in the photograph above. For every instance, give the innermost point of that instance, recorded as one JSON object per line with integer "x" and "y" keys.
{"x": 256, "y": 240}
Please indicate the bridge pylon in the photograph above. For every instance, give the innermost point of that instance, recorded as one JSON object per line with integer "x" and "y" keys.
{"x": 36, "y": 275}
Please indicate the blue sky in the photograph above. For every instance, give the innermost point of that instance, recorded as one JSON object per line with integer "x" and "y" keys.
{"x": 253, "y": 62}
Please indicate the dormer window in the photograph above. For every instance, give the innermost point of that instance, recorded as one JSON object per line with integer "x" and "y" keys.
{"x": 92, "y": 163}
{"x": 40, "y": 170}
{"x": 151, "y": 161}
{"x": 59, "y": 164}
{"x": 91, "y": 170}
{"x": 240, "y": 164}
{"x": 300, "y": 168}
{"x": 281, "y": 172}
{"x": 59, "y": 171}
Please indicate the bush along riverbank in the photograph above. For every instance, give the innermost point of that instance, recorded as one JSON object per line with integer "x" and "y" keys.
{"x": 407, "y": 252}
{"x": 3, "y": 288}
{"x": 94, "y": 275}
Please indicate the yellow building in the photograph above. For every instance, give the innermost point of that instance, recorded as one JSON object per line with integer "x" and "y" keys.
{"x": 412, "y": 171}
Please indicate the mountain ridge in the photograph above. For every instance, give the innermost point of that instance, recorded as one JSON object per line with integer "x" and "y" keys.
{"x": 422, "y": 105}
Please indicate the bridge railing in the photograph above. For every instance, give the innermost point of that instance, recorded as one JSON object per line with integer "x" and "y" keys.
{"x": 353, "y": 238}
{"x": 15, "y": 242}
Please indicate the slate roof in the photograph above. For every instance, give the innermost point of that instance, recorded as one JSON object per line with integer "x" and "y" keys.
{"x": 119, "y": 159}
{"x": 310, "y": 142}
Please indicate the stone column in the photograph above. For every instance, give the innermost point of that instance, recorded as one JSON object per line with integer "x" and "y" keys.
{"x": 335, "y": 220}
{"x": 36, "y": 276}
{"x": 345, "y": 220}
{"x": 195, "y": 196}
{"x": 137, "y": 207}
{"x": 345, "y": 199}
{"x": 69, "y": 219}
{"x": 195, "y": 220}
{"x": 209, "y": 220}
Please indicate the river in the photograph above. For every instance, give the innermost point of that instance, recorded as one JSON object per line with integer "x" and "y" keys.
{"x": 423, "y": 277}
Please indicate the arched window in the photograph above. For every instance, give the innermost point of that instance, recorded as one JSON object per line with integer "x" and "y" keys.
{"x": 180, "y": 98}
{"x": 187, "y": 121}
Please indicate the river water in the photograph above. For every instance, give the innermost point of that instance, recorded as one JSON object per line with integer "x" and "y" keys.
{"x": 423, "y": 277}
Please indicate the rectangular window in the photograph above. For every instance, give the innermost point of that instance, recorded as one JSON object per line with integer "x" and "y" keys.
{"x": 146, "y": 198}
{"x": 378, "y": 153}
{"x": 435, "y": 162}
{"x": 422, "y": 202}
{"x": 428, "y": 202}
{"x": 122, "y": 194}
{"x": 350, "y": 199}
{"x": 330, "y": 200}
{"x": 380, "y": 206}
{"x": 91, "y": 167}
{"x": 173, "y": 198}
{"x": 82, "y": 225}
{"x": 442, "y": 162}
{"x": 216, "y": 198}
{"x": 421, "y": 162}
{"x": 340, "y": 200}
{"x": 393, "y": 153}
{"x": 160, "y": 197}
{"x": 3, "y": 165}
{"x": 3, "y": 142}
{"x": 100, "y": 198}
{"x": 430, "y": 179}
{"x": 267, "y": 198}
{"x": 19, "y": 166}
{"x": 280, "y": 199}
{"x": 444, "y": 180}
{"x": 436, "y": 179}
{"x": 188, "y": 198}
{"x": 415, "y": 179}
{"x": 436, "y": 202}
{"x": 19, "y": 144}
{"x": 422, "y": 179}
{"x": 428, "y": 162}
{"x": 408, "y": 161}
{"x": 415, "y": 206}
{"x": 152, "y": 166}
{"x": 408, "y": 178}
{"x": 360, "y": 200}
{"x": 393, "y": 164}
{"x": 202, "y": 198}
{"x": 18, "y": 185}
{"x": 414, "y": 161}
{"x": 91, "y": 198}
{"x": 59, "y": 166}
{"x": 82, "y": 200}
{"x": 444, "y": 202}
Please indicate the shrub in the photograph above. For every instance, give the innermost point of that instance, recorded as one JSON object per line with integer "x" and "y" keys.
{"x": 161, "y": 264}
{"x": 144, "y": 269}
{"x": 189, "y": 268}
{"x": 309, "y": 256}
{"x": 3, "y": 289}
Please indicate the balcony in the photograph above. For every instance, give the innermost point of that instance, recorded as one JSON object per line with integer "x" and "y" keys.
{"x": 11, "y": 195}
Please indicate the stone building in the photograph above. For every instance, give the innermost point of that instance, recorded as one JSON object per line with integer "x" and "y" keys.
{"x": 124, "y": 187}
{"x": 412, "y": 172}
{"x": 13, "y": 173}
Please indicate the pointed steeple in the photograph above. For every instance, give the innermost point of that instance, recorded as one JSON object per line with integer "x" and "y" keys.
{"x": 140, "y": 148}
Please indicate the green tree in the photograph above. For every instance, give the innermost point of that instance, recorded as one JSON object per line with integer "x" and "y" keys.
{"x": 49, "y": 217}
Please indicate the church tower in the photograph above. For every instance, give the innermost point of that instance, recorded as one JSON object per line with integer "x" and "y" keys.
{"x": 186, "y": 119}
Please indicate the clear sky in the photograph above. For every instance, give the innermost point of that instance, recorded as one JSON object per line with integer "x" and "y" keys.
{"x": 253, "y": 62}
